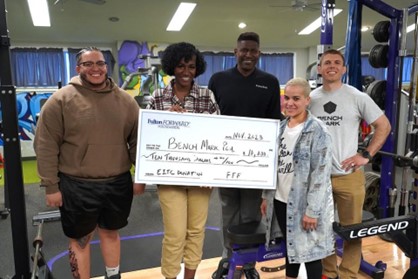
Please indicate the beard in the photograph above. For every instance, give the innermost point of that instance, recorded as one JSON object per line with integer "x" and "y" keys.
{"x": 93, "y": 84}
{"x": 247, "y": 67}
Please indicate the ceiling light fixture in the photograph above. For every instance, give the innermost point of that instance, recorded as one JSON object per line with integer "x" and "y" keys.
{"x": 242, "y": 25}
{"x": 39, "y": 12}
{"x": 316, "y": 24}
{"x": 180, "y": 17}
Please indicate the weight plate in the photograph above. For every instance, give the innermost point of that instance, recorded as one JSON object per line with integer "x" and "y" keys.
{"x": 381, "y": 31}
{"x": 377, "y": 91}
{"x": 378, "y": 56}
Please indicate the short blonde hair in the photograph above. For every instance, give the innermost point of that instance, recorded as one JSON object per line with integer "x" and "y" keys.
{"x": 298, "y": 81}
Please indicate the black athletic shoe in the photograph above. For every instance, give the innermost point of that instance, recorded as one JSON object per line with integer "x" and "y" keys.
{"x": 251, "y": 273}
{"x": 223, "y": 273}
{"x": 223, "y": 267}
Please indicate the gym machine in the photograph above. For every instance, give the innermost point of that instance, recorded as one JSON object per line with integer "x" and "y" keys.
{"x": 151, "y": 69}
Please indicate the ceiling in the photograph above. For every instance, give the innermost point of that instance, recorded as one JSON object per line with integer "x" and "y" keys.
{"x": 212, "y": 25}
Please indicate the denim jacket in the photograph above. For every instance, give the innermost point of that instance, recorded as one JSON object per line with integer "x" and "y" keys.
{"x": 310, "y": 194}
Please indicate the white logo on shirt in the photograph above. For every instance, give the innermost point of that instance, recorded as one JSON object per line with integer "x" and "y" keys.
{"x": 261, "y": 86}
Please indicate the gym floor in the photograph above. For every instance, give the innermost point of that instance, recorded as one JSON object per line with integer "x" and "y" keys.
{"x": 141, "y": 239}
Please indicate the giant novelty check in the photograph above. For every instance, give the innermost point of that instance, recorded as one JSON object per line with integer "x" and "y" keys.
{"x": 206, "y": 150}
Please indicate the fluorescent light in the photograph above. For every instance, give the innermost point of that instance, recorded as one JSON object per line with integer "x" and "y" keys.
{"x": 410, "y": 28}
{"x": 39, "y": 12}
{"x": 180, "y": 17}
{"x": 242, "y": 25}
{"x": 316, "y": 24}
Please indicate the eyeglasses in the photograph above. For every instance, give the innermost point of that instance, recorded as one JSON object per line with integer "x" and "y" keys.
{"x": 90, "y": 64}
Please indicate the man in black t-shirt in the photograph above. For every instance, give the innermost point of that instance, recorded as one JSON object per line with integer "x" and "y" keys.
{"x": 244, "y": 91}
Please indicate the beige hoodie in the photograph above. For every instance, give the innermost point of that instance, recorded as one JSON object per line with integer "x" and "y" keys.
{"x": 87, "y": 134}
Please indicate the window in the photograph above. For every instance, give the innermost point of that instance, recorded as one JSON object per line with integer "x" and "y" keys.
{"x": 41, "y": 67}
{"x": 279, "y": 65}
{"x": 46, "y": 67}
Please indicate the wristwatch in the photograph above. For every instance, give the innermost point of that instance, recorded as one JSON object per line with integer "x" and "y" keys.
{"x": 366, "y": 155}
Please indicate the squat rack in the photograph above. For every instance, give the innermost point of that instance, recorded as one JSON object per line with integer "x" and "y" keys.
{"x": 12, "y": 156}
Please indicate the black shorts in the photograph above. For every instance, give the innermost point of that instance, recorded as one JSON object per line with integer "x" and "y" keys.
{"x": 87, "y": 204}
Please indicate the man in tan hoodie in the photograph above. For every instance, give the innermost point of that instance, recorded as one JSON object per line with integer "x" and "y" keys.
{"x": 85, "y": 144}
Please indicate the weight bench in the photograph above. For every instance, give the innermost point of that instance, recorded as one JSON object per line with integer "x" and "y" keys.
{"x": 247, "y": 242}
{"x": 248, "y": 245}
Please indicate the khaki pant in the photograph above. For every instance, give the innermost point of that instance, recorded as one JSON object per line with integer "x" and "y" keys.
{"x": 185, "y": 211}
{"x": 349, "y": 192}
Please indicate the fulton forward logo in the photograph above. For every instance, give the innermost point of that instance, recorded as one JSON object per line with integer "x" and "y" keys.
{"x": 169, "y": 124}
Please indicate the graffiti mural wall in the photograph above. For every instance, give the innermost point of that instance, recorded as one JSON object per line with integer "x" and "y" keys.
{"x": 131, "y": 57}
{"x": 28, "y": 107}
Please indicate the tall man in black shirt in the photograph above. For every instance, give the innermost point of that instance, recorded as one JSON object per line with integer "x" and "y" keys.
{"x": 244, "y": 91}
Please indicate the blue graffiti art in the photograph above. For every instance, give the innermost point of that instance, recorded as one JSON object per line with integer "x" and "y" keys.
{"x": 28, "y": 107}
